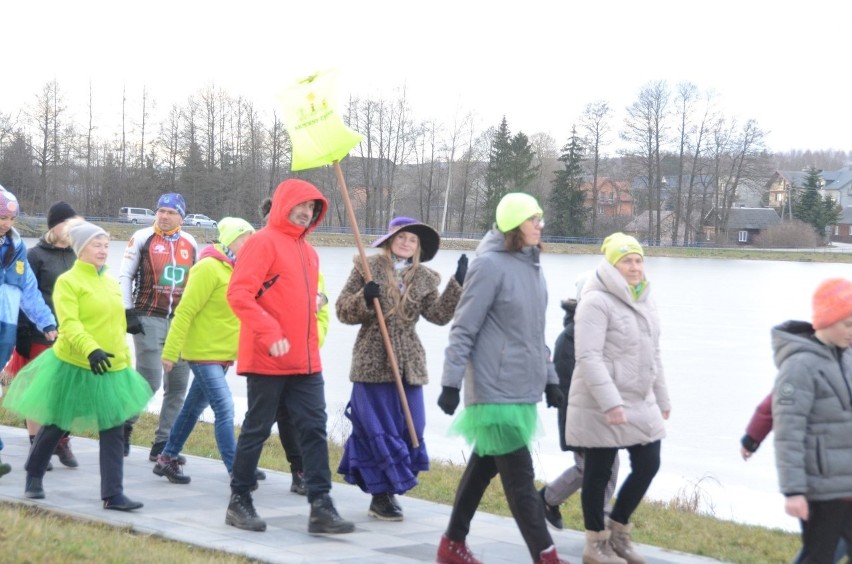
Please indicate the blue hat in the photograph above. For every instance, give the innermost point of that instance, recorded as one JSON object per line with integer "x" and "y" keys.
{"x": 173, "y": 200}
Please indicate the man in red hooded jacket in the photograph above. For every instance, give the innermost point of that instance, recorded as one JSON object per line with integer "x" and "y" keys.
{"x": 273, "y": 291}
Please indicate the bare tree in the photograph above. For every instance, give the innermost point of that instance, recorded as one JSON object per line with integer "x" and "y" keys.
{"x": 595, "y": 126}
{"x": 645, "y": 131}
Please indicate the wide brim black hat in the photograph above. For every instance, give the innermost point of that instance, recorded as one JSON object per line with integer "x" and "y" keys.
{"x": 430, "y": 241}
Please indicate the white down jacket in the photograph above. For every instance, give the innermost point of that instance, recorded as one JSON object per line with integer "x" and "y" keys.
{"x": 617, "y": 347}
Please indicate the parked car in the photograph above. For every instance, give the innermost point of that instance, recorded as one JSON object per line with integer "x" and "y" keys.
{"x": 142, "y": 216}
{"x": 198, "y": 220}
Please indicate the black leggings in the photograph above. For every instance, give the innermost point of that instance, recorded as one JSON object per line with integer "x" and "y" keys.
{"x": 644, "y": 463}
{"x": 517, "y": 476}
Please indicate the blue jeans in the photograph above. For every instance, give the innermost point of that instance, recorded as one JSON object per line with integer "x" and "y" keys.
{"x": 149, "y": 349}
{"x": 304, "y": 399}
{"x": 208, "y": 388}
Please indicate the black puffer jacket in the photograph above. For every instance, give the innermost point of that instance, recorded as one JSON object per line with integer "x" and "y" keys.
{"x": 47, "y": 263}
{"x": 563, "y": 360}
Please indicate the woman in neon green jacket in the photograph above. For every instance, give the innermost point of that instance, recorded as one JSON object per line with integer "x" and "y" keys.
{"x": 85, "y": 382}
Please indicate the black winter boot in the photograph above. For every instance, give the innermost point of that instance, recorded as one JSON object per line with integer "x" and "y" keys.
{"x": 241, "y": 514}
{"x": 325, "y": 518}
{"x": 383, "y": 508}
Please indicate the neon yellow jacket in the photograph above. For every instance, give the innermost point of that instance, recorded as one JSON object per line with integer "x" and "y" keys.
{"x": 204, "y": 327}
{"x": 322, "y": 313}
{"x": 90, "y": 312}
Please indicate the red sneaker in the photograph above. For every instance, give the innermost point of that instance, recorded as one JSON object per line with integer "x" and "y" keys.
{"x": 455, "y": 552}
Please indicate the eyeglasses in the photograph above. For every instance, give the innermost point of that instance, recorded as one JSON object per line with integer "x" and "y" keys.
{"x": 537, "y": 221}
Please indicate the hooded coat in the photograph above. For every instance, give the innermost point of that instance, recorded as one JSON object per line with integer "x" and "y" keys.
{"x": 273, "y": 289}
{"x": 497, "y": 344}
{"x": 812, "y": 414}
{"x": 617, "y": 347}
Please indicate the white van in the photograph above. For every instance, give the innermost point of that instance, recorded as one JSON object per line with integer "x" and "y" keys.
{"x": 142, "y": 216}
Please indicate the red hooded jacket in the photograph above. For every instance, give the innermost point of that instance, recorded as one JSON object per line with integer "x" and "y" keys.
{"x": 274, "y": 286}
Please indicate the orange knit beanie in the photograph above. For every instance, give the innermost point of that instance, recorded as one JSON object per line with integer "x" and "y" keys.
{"x": 832, "y": 302}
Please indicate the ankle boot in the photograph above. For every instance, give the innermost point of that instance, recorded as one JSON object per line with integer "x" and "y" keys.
{"x": 33, "y": 489}
{"x": 549, "y": 556}
{"x": 325, "y": 519}
{"x": 4, "y": 468}
{"x": 622, "y": 542}
{"x": 455, "y": 552}
{"x": 598, "y": 549}
{"x": 63, "y": 451}
{"x": 383, "y": 508}
{"x": 241, "y": 514}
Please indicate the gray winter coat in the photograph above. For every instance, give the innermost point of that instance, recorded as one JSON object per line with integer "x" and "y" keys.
{"x": 497, "y": 341}
{"x": 812, "y": 414}
{"x": 617, "y": 348}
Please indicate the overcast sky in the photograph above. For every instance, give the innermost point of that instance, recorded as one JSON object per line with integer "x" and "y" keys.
{"x": 538, "y": 62}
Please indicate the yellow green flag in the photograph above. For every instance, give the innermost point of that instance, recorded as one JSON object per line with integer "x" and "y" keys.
{"x": 318, "y": 135}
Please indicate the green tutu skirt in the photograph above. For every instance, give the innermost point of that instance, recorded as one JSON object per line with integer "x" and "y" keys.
{"x": 493, "y": 429}
{"x": 53, "y": 392}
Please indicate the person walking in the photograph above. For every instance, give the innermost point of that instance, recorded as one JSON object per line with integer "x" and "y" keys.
{"x": 618, "y": 396}
{"x": 18, "y": 289}
{"x": 273, "y": 291}
{"x": 812, "y": 415}
{"x": 153, "y": 275}
{"x": 204, "y": 310}
{"x": 378, "y": 456}
{"x": 85, "y": 382}
{"x": 49, "y": 258}
{"x": 556, "y": 492}
{"x": 497, "y": 348}
{"x": 758, "y": 428}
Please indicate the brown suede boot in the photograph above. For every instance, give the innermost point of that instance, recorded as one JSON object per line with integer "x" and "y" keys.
{"x": 598, "y": 550}
{"x": 622, "y": 542}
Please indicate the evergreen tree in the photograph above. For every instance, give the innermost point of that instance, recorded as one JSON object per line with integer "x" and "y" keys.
{"x": 496, "y": 175}
{"x": 510, "y": 169}
{"x": 521, "y": 171}
{"x": 566, "y": 213}
{"x": 812, "y": 208}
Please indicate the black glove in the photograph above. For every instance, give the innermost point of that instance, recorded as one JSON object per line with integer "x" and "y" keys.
{"x": 99, "y": 361}
{"x": 448, "y": 401}
{"x": 134, "y": 326}
{"x": 461, "y": 270}
{"x": 555, "y": 397}
{"x": 371, "y": 290}
{"x": 749, "y": 444}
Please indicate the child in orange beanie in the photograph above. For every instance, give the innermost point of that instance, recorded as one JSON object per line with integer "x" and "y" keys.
{"x": 812, "y": 413}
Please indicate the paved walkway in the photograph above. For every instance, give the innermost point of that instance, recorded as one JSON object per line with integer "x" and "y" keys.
{"x": 195, "y": 514}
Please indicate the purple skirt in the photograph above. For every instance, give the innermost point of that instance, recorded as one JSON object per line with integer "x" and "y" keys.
{"x": 378, "y": 456}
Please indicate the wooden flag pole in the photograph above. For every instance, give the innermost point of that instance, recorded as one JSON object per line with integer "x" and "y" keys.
{"x": 368, "y": 276}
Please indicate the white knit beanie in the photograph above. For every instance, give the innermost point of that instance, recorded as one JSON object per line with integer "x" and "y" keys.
{"x": 82, "y": 233}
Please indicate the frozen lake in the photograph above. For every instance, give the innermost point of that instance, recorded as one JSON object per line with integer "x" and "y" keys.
{"x": 715, "y": 315}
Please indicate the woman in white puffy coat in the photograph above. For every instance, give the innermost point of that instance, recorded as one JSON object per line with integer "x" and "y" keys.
{"x": 618, "y": 396}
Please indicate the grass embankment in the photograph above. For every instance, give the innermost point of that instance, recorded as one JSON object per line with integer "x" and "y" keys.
{"x": 28, "y": 535}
